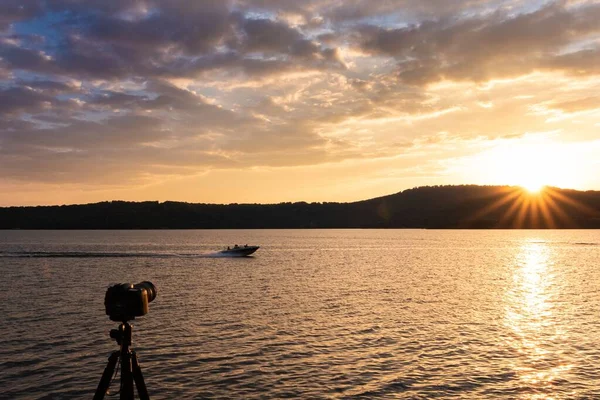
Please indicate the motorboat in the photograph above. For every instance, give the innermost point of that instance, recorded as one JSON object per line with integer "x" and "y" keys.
{"x": 239, "y": 251}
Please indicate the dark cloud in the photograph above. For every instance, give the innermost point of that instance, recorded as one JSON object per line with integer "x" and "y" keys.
{"x": 485, "y": 47}
{"x": 584, "y": 62}
{"x": 22, "y": 58}
{"x": 12, "y": 11}
{"x": 19, "y": 99}
{"x": 111, "y": 99}
{"x": 47, "y": 86}
{"x": 192, "y": 27}
{"x": 350, "y": 11}
{"x": 269, "y": 36}
{"x": 118, "y": 40}
{"x": 110, "y": 40}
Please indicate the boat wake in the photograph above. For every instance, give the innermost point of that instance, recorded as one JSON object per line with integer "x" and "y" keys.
{"x": 85, "y": 254}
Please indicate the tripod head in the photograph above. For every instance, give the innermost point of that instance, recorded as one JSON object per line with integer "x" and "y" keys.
{"x": 122, "y": 335}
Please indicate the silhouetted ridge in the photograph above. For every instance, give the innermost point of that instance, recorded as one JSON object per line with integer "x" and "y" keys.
{"x": 466, "y": 206}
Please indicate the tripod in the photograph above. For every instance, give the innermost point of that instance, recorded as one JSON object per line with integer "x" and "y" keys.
{"x": 130, "y": 368}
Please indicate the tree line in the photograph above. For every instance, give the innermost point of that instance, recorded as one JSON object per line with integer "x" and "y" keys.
{"x": 431, "y": 207}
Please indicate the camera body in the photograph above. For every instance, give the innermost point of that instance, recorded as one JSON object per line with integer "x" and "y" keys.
{"x": 125, "y": 301}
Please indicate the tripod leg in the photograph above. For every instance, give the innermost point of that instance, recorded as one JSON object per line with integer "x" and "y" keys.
{"x": 138, "y": 377}
{"x": 126, "y": 376}
{"x": 106, "y": 376}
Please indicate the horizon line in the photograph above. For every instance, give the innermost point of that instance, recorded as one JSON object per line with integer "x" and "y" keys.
{"x": 301, "y": 201}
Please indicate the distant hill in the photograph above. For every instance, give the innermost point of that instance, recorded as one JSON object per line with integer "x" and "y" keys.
{"x": 433, "y": 207}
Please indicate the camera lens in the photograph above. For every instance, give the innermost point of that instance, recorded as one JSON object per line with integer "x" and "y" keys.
{"x": 150, "y": 289}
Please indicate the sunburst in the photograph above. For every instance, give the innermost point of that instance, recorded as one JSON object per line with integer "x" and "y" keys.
{"x": 546, "y": 207}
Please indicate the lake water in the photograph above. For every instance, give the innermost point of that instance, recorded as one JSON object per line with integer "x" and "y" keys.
{"x": 314, "y": 314}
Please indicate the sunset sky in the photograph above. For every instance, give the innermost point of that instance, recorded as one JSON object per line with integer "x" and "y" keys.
{"x": 285, "y": 100}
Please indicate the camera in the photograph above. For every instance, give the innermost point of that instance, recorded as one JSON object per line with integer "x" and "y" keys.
{"x": 125, "y": 301}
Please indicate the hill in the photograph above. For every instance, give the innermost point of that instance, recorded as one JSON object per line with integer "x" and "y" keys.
{"x": 441, "y": 207}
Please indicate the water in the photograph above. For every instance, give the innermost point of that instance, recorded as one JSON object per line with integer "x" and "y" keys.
{"x": 314, "y": 314}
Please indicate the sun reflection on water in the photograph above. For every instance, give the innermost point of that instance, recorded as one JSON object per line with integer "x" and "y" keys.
{"x": 530, "y": 317}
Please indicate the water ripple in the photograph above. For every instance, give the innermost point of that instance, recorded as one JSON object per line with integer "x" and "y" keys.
{"x": 328, "y": 314}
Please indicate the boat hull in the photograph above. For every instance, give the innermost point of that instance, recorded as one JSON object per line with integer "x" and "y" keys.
{"x": 240, "y": 251}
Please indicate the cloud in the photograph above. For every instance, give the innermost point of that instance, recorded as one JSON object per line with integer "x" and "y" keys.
{"x": 114, "y": 40}
{"x": 12, "y": 11}
{"x": 128, "y": 92}
{"x": 16, "y": 57}
{"x": 18, "y": 99}
{"x": 583, "y": 62}
{"x": 485, "y": 47}
{"x": 189, "y": 27}
{"x": 584, "y": 104}
{"x": 87, "y": 136}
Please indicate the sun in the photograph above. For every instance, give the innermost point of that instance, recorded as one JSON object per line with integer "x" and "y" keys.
{"x": 532, "y": 174}
{"x": 533, "y": 187}
{"x": 530, "y": 164}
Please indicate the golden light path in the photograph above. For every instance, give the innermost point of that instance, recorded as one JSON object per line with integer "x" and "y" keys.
{"x": 530, "y": 316}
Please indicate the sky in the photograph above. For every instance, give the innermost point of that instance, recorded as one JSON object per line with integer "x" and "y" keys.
{"x": 268, "y": 101}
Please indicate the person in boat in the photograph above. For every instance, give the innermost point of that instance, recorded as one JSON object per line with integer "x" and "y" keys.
{"x": 228, "y": 248}
{"x": 236, "y": 246}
